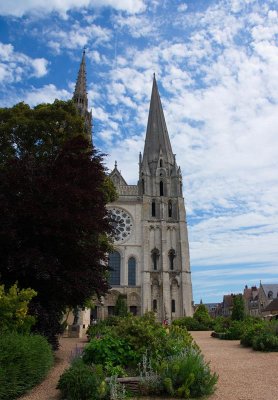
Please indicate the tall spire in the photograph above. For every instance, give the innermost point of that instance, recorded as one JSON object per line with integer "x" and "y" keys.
{"x": 157, "y": 141}
{"x": 80, "y": 97}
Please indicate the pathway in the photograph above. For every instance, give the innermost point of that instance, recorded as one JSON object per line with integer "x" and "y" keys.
{"x": 47, "y": 389}
{"x": 244, "y": 374}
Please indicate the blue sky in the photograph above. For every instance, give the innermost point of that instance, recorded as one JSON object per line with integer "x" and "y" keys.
{"x": 216, "y": 64}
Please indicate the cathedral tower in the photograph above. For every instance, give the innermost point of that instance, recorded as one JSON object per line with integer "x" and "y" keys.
{"x": 80, "y": 98}
{"x": 150, "y": 265}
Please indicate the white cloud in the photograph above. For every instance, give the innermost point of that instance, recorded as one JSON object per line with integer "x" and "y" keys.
{"x": 182, "y": 7}
{"x": 45, "y": 94}
{"x": 14, "y": 66}
{"x": 40, "y": 7}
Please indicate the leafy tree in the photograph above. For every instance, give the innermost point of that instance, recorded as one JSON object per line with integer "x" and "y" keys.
{"x": 121, "y": 306}
{"x": 14, "y": 315}
{"x": 202, "y": 315}
{"x": 238, "y": 308}
{"x": 54, "y": 226}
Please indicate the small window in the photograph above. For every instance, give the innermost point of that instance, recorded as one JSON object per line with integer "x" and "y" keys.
{"x": 161, "y": 188}
{"x": 155, "y": 255}
{"x": 143, "y": 186}
{"x": 111, "y": 310}
{"x": 154, "y": 305}
{"x": 133, "y": 310}
{"x": 170, "y": 209}
{"x": 173, "y": 306}
{"x": 153, "y": 208}
{"x": 161, "y": 163}
{"x": 131, "y": 271}
{"x": 270, "y": 294}
{"x": 172, "y": 255}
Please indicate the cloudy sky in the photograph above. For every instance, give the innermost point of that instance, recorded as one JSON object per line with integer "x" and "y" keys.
{"x": 216, "y": 63}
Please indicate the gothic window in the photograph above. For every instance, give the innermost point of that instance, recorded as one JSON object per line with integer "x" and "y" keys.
{"x": 153, "y": 208}
{"x": 160, "y": 163}
{"x": 155, "y": 255}
{"x": 143, "y": 186}
{"x": 111, "y": 310}
{"x": 131, "y": 271}
{"x": 161, "y": 188}
{"x": 270, "y": 294}
{"x": 173, "y": 306}
{"x": 114, "y": 264}
{"x": 154, "y": 305}
{"x": 170, "y": 209}
{"x": 172, "y": 255}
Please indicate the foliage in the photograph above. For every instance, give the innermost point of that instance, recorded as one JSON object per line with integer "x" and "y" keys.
{"x": 54, "y": 226}
{"x": 202, "y": 316}
{"x": 187, "y": 375}
{"x": 24, "y": 362}
{"x": 82, "y": 381}
{"x": 103, "y": 326}
{"x": 238, "y": 312}
{"x": 251, "y": 331}
{"x": 265, "y": 341}
{"x": 150, "y": 381}
{"x": 121, "y": 306}
{"x": 116, "y": 390}
{"x": 14, "y": 309}
{"x": 222, "y": 324}
{"x": 109, "y": 350}
{"x": 261, "y": 335}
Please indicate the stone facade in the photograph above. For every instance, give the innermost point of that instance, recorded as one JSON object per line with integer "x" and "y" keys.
{"x": 151, "y": 264}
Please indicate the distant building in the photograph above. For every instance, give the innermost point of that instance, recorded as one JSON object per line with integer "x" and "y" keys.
{"x": 227, "y": 305}
{"x": 267, "y": 293}
{"x": 251, "y": 300}
{"x": 272, "y": 309}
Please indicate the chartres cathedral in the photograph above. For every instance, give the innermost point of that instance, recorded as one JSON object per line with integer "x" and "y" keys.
{"x": 150, "y": 264}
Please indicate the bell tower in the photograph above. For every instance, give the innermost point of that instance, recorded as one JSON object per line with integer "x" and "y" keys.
{"x": 166, "y": 276}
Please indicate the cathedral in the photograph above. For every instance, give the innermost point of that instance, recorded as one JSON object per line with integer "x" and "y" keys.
{"x": 150, "y": 264}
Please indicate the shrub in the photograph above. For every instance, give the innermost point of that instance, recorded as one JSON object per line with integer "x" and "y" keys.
{"x": 187, "y": 375}
{"x": 191, "y": 324}
{"x": 14, "y": 309}
{"x": 265, "y": 341}
{"x": 250, "y": 332}
{"x": 81, "y": 381}
{"x": 222, "y": 324}
{"x": 102, "y": 326}
{"x": 110, "y": 350}
{"x": 24, "y": 362}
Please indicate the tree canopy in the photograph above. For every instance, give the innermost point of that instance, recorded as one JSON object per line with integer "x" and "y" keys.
{"x": 54, "y": 226}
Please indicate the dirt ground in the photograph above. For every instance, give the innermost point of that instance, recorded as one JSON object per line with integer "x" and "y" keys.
{"x": 244, "y": 374}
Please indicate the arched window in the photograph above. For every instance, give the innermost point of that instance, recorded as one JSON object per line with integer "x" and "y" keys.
{"x": 155, "y": 255}
{"x": 154, "y": 305}
{"x": 170, "y": 209}
{"x": 160, "y": 163}
{"x": 131, "y": 271}
{"x": 172, "y": 255}
{"x": 153, "y": 208}
{"x": 114, "y": 263}
{"x": 161, "y": 188}
{"x": 173, "y": 306}
{"x": 270, "y": 295}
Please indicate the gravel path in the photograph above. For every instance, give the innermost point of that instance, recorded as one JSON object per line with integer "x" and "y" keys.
{"x": 47, "y": 389}
{"x": 244, "y": 374}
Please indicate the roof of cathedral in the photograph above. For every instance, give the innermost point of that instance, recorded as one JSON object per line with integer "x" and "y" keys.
{"x": 81, "y": 86}
{"x": 117, "y": 177}
{"x": 157, "y": 141}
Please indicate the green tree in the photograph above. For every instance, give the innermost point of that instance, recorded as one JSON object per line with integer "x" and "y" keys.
{"x": 238, "y": 308}
{"x": 202, "y": 315}
{"x": 54, "y": 227}
{"x": 14, "y": 304}
{"x": 121, "y": 306}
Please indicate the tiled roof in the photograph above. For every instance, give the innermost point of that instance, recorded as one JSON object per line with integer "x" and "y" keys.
{"x": 273, "y": 306}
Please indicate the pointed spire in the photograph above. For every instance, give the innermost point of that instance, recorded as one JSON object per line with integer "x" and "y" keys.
{"x": 80, "y": 92}
{"x": 80, "y": 97}
{"x": 157, "y": 139}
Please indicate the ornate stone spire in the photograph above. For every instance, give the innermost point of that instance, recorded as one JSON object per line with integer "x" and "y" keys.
{"x": 157, "y": 139}
{"x": 80, "y": 97}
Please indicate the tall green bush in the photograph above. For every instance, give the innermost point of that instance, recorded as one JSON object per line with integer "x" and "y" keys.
{"x": 187, "y": 375}
{"x": 24, "y": 362}
{"x": 82, "y": 382}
